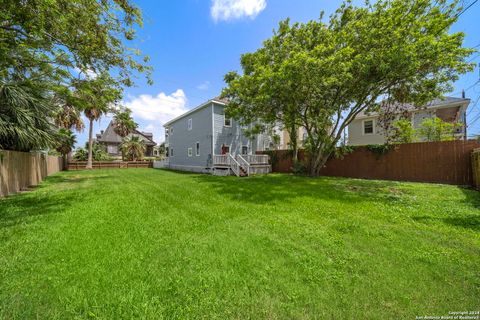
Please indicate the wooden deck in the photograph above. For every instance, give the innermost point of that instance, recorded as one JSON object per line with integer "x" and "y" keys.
{"x": 242, "y": 165}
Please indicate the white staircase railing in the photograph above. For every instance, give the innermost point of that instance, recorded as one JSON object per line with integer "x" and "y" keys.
{"x": 234, "y": 165}
{"x": 244, "y": 164}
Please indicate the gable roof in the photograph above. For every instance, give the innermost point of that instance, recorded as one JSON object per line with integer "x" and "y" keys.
{"x": 434, "y": 104}
{"x": 109, "y": 135}
{"x": 216, "y": 100}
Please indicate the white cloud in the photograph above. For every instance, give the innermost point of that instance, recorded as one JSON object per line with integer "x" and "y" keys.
{"x": 204, "y": 86}
{"x": 235, "y": 9}
{"x": 87, "y": 73}
{"x": 160, "y": 108}
{"x": 149, "y": 128}
{"x": 151, "y": 112}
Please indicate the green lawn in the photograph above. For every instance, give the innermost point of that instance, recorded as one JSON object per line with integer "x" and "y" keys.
{"x": 153, "y": 244}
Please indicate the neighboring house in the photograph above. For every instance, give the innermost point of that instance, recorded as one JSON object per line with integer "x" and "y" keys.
{"x": 364, "y": 129}
{"x": 205, "y": 140}
{"x": 112, "y": 141}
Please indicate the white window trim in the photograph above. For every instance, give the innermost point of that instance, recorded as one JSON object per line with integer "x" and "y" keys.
{"x": 189, "y": 152}
{"x": 197, "y": 150}
{"x": 224, "y": 119}
{"x": 189, "y": 124}
{"x": 373, "y": 127}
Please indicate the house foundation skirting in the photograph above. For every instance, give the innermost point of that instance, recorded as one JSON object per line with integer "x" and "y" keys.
{"x": 198, "y": 169}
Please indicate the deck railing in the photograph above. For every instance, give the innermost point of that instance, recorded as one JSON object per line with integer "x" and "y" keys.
{"x": 257, "y": 158}
{"x": 221, "y": 160}
{"x": 250, "y": 164}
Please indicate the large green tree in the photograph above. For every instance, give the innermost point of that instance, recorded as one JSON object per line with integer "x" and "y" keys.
{"x": 48, "y": 46}
{"x": 320, "y": 75}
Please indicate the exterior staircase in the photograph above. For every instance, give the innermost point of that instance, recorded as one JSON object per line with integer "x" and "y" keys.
{"x": 242, "y": 165}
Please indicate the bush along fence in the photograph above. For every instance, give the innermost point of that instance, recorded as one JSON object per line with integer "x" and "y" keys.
{"x": 447, "y": 162}
{"x": 80, "y": 165}
{"x": 22, "y": 170}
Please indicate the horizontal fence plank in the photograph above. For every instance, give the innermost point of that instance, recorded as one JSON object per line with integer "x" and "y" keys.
{"x": 447, "y": 162}
{"x": 81, "y": 165}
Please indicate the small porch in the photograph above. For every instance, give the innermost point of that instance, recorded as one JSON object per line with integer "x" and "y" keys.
{"x": 241, "y": 165}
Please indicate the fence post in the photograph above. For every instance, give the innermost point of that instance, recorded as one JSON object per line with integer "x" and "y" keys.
{"x": 475, "y": 167}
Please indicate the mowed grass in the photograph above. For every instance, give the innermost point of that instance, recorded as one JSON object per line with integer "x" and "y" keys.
{"x": 154, "y": 244}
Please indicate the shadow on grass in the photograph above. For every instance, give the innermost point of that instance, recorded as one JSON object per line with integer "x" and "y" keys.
{"x": 471, "y": 222}
{"x": 29, "y": 206}
{"x": 472, "y": 197}
{"x": 284, "y": 188}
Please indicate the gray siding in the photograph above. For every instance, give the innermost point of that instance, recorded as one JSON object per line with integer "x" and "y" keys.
{"x": 181, "y": 139}
{"x": 232, "y": 136}
{"x": 203, "y": 124}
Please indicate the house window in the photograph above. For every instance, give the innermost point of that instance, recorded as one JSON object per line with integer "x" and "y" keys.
{"x": 197, "y": 148}
{"x": 112, "y": 149}
{"x": 189, "y": 124}
{"x": 171, "y": 131}
{"x": 171, "y": 152}
{"x": 189, "y": 152}
{"x": 227, "y": 122}
{"x": 368, "y": 127}
{"x": 244, "y": 149}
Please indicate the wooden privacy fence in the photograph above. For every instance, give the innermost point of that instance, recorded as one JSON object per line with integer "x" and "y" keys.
{"x": 80, "y": 165}
{"x": 476, "y": 168}
{"x": 21, "y": 170}
{"x": 440, "y": 162}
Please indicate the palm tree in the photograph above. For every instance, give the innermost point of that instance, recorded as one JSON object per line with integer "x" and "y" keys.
{"x": 68, "y": 117}
{"x": 95, "y": 97}
{"x": 65, "y": 142}
{"x": 123, "y": 123}
{"x": 133, "y": 148}
{"x": 25, "y": 111}
{"x": 92, "y": 114}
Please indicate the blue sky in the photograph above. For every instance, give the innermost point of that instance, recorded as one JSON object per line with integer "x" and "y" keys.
{"x": 193, "y": 43}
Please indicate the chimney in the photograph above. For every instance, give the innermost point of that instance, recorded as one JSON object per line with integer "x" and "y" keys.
{"x": 463, "y": 94}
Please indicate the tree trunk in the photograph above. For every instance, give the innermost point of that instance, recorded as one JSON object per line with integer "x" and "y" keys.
{"x": 65, "y": 161}
{"x": 317, "y": 161}
{"x": 90, "y": 145}
{"x": 292, "y": 132}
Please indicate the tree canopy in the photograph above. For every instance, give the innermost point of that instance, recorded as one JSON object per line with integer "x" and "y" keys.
{"x": 63, "y": 53}
{"x": 320, "y": 75}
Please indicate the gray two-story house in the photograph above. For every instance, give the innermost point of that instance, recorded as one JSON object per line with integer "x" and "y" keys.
{"x": 204, "y": 139}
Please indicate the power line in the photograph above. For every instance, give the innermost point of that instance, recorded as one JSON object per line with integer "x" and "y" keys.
{"x": 468, "y": 7}
{"x": 465, "y": 90}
